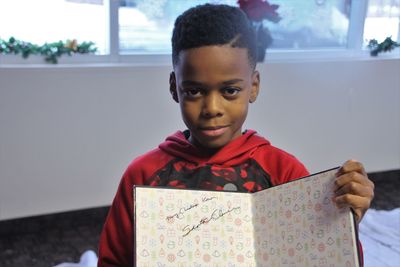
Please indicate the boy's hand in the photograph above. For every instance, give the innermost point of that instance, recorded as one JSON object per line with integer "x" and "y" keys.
{"x": 353, "y": 188}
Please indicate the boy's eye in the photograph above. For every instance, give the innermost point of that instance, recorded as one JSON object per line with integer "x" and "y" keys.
{"x": 192, "y": 92}
{"x": 231, "y": 91}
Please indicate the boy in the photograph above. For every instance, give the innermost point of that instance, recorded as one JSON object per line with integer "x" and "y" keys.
{"x": 214, "y": 80}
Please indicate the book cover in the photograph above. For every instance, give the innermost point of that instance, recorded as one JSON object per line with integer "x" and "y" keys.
{"x": 293, "y": 224}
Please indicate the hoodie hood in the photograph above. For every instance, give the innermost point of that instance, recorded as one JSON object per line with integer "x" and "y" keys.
{"x": 237, "y": 151}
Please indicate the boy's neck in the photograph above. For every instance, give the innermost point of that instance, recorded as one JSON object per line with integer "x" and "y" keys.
{"x": 204, "y": 150}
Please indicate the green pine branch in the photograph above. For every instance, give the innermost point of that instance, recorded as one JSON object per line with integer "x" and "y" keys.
{"x": 50, "y": 51}
{"x": 387, "y": 45}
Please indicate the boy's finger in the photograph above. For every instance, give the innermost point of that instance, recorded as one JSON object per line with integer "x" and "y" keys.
{"x": 355, "y": 188}
{"x": 357, "y": 203}
{"x": 352, "y": 201}
{"x": 350, "y": 166}
{"x": 352, "y": 177}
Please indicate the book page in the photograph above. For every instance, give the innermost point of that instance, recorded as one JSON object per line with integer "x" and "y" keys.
{"x": 297, "y": 224}
{"x": 294, "y": 224}
{"x": 180, "y": 227}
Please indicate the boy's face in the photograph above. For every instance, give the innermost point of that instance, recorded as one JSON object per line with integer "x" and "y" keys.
{"x": 214, "y": 86}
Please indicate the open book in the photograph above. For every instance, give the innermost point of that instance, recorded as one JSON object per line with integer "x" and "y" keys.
{"x": 294, "y": 224}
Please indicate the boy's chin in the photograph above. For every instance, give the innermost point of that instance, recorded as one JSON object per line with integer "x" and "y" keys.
{"x": 212, "y": 145}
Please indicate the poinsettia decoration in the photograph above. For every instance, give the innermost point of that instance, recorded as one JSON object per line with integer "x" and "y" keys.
{"x": 257, "y": 11}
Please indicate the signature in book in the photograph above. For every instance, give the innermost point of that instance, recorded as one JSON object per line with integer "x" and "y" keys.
{"x": 181, "y": 212}
{"x": 215, "y": 215}
{"x": 205, "y": 199}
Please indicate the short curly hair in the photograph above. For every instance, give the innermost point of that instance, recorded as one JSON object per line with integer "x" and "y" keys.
{"x": 210, "y": 24}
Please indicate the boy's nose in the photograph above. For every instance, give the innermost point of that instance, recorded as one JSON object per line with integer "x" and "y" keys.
{"x": 212, "y": 106}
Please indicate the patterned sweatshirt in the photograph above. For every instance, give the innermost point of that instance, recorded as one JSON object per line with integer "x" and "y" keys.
{"x": 248, "y": 163}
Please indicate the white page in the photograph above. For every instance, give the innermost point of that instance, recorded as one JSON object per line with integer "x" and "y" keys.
{"x": 297, "y": 224}
{"x": 170, "y": 232}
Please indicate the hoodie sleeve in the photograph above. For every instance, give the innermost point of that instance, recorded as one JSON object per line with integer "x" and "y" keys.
{"x": 280, "y": 165}
{"x": 116, "y": 240}
{"x": 292, "y": 169}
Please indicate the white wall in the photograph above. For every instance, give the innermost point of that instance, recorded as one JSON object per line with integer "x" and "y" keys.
{"x": 68, "y": 133}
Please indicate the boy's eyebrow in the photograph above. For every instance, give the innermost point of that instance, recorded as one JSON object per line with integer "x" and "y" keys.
{"x": 191, "y": 83}
{"x": 233, "y": 81}
{"x": 194, "y": 83}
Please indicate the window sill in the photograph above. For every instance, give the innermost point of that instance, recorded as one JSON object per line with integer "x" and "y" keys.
{"x": 272, "y": 57}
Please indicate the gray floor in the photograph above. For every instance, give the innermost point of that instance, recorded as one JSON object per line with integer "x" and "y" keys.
{"x": 51, "y": 239}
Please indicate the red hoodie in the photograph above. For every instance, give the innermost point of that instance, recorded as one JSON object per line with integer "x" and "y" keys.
{"x": 249, "y": 163}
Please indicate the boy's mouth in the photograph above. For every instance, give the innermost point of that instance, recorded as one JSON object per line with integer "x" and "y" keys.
{"x": 213, "y": 131}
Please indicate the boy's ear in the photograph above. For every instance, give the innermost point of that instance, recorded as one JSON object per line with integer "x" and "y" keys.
{"x": 255, "y": 86}
{"x": 172, "y": 87}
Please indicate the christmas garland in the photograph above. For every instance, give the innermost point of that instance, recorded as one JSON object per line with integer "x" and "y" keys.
{"x": 387, "y": 45}
{"x": 53, "y": 51}
{"x": 50, "y": 51}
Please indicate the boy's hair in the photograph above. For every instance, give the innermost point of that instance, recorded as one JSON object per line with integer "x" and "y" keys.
{"x": 209, "y": 24}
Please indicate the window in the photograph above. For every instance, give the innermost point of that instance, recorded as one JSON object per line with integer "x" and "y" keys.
{"x": 146, "y": 26}
{"x": 382, "y": 20}
{"x": 121, "y": 28}
{"x": 311, "y": 24}
{"x": 40, "y": 21}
